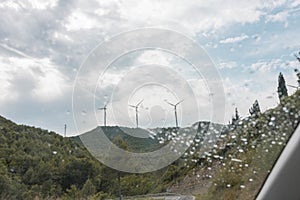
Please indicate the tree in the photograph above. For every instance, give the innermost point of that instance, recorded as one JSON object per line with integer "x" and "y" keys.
{"x": 282, "y": 90}
{"x": 236, "y": 117}
{"x": 72, "y": 192}
{"x": 255, "y": 109}
{"x": 88, "y": 189}
{"x": 298, "y": 75}
{"x": 296, "y": 70}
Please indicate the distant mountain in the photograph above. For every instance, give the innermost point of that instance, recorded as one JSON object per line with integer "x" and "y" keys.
{"x": 138, "y": 139}
{"x": 146, "y": 140}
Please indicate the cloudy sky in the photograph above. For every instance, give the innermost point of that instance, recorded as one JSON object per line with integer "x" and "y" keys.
{"x": 44, "y": 45}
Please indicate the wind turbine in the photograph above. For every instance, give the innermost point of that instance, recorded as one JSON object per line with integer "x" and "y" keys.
{"x": 136, "y": 112}
{"x": 175, "y": 109}
{"x": 104, "y": 108}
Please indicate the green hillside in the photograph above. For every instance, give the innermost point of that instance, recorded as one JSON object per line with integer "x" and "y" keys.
{"x": 242, "y": 159}
{"x": 36, "y": 163}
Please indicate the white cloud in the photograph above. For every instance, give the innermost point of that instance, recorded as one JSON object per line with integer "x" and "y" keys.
{"x": 79, "y": 20}
{"x": 10, "y": 5}
{"x": 41, "y": 4}
{"x": 28, "y": 4}
{"x": 38, "y": 79}
{"x": 62, "y": 37}
{"x": 205, "y": 15}
{"x": 111, "y": 78}
{"x": 51, "y": 84}
{"x": 229, "y": 65}
{"x": 295, "y": 3}
{"x": 271, "y": 65}
{"x": 154, "y": 57}
{"x": 234, "y": 39}
{"x": 279, "y": 17}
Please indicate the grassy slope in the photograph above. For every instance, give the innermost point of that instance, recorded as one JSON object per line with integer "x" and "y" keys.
{"x": 249, "y": 151}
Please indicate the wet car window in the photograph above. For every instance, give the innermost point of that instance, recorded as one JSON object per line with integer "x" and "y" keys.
{"x": 145, "y": 100}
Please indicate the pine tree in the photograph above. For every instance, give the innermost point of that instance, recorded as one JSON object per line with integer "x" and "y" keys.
{"x": 298, "y": 75}
{"x": 255, "y": 109}
{"x": 297, "y": 71}
{"x": 236, "y": 117}
{"x": 282, "y": 90}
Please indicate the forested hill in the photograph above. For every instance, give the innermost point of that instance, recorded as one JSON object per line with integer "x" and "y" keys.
{"x": 36, "y": 162}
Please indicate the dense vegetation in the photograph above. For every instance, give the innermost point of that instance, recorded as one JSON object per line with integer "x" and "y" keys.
{"x": 36, "y": 163}
{"x": 246, "y": 155}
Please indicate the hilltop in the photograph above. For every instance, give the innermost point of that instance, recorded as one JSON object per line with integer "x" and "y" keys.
{"x": 146, "y": 140}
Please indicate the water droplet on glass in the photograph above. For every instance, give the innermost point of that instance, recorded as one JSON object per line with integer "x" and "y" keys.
{"x": 273, "y": 142}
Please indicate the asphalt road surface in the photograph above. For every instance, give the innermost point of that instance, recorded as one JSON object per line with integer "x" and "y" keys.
{"x": 177, "y": 197}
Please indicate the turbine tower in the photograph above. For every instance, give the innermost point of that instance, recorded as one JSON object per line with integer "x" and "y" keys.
{"x": 65, "y": 130}
{"x": 298, "y": 58}
{"x": 175, "y": 109}
{"x": 104, "y": 108}
{"x": 136, "y": 112}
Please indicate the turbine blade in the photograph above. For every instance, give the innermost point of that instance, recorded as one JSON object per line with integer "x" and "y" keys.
{"x": 169, "y": 103}
{"x": 139, "y": 102}
{"x": 292, "y": 86}
{"x": 179, "y": 102}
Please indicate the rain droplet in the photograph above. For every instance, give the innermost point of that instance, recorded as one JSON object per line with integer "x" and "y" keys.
{"x": 273, "y": 142}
